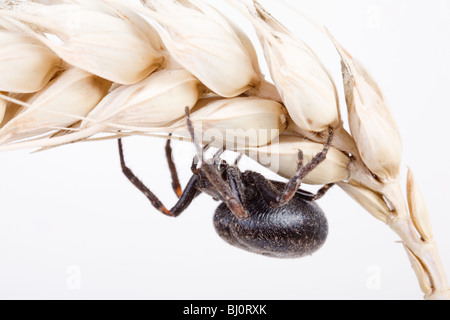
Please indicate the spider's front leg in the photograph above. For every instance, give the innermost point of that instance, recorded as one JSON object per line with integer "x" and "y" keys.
{"x": 176, "y": 186}
{"x": 276, "y": 197}
{"x": 211, "y": 172}
{"x": 302, "y": 171}
{"x": 185, "y": 198}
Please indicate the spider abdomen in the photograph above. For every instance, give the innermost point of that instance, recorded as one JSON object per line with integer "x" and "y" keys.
{"x": 294, "y": 230}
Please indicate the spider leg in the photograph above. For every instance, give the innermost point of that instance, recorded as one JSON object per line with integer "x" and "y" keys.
{"x": 238, "y": 159}
{"x": 271, "y": 190}
{"x": 293, "y": 183}
{"x": 319, "y": 194}
{"x": 176, "y": 186}
{"x": 276, "y": 197}
{"x": 196, "y": 159}
{"x": 216, "y": 158}
{"x": 302, "y": 171}
{"x": 184, "y": 201}
{"x": 214, "y": 177}
{"x": 234, "y": 179}
{"x": 194, "y": 165}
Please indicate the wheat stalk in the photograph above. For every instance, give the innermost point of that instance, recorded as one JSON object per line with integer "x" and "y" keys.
{"x": 100, "y": 67}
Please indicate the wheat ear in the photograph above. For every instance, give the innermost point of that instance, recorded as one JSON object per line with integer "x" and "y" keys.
{"x": 115, "y": 68}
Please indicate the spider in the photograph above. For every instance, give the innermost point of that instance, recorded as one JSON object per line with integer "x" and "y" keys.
{"x": 262, "y": 216}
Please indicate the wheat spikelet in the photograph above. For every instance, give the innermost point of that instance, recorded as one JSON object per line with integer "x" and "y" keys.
{"x": 136, "y": 76}
{"x": 118, "y": 50}
{"x": 26, "y": 65}
{"x": 208, "y": 45}
{"x": 236, "y": 122}
{"x": 305, "y": 86}
{"x": 67, "y": 98}
{"x": 155, "y": 101}
{"x": 371, "y": 122}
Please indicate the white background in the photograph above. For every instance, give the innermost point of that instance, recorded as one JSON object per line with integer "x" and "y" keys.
{"x": 72, "y": 227}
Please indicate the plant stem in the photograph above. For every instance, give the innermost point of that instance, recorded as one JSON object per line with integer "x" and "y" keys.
{"x": 425, "y": 251}
{"x": 428, "y": 266}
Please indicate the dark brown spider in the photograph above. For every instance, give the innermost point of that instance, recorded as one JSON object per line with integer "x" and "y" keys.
{"x": 258, "y": 215}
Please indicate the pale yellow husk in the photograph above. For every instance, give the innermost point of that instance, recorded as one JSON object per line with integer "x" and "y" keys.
{"x": 235, "y": 122}
{"x": 306, "y": 88}
{"x": 281, "y": 156}
{"x": 371, "y": 201}
{"x": 126, "y": 14}
{"x": 420, "y": 272}
{"x": 94, "y": 38}
{"x": 159, "y": 99}
{"x": 418, "y": 208}
{"x": 12, "y": 109}
{"x": 26, "y": 65}
{"x": 371, "y": 122}
{"x": 203, "y": 41}
{"x": 62, "y": 102}
{"x": 230, "y": 123}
